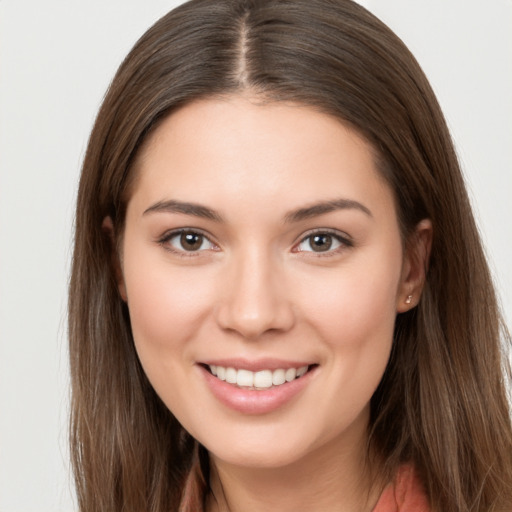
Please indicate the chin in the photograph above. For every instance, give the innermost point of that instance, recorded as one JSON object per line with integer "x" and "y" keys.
{"x": 264, "y": 448}
{"x": 257, "y": 457}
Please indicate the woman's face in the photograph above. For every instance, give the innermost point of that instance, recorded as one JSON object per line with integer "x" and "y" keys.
{"x": 261, "y": 243}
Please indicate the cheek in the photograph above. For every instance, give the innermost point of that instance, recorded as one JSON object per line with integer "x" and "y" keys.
{"x": 355, "y": 320}
{"x": 167, "y": 305}
{"x": 357, "y": 306}
{"x": 167, "y": 311}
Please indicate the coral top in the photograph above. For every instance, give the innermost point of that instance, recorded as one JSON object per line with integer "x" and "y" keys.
{"x": 405, "y": 494}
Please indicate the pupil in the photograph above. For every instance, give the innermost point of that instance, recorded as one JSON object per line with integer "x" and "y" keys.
{"x": 321, "y": 243}
{"x": 191, "y": 241}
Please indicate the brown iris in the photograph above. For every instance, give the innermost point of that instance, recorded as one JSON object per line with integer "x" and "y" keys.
{"x": 191, "y": 241}
{"x": 320, "y": 242}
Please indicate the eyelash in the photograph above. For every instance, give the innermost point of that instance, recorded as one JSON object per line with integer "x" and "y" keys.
{"x": 167, "y": 237}
{"x": 344, "y": 241}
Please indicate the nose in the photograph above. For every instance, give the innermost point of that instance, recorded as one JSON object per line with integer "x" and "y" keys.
{"x": 255, "y": 299}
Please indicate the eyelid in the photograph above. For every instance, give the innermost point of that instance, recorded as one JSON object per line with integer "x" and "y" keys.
{"x": 168, "y": 235}
{"x": 342, "y": 237}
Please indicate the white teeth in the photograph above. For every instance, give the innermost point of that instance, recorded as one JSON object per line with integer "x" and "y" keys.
{"x": 231, "y": 375}
{"x": 263, "y": 379}
{"x": 290, "y": 374}
{"x": 278, "y": 377}
{"x": 301, "y": 371}
{"x": 245, "y": 378}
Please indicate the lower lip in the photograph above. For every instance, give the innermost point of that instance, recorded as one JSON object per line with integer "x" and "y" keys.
{"x": 251, "y": 401}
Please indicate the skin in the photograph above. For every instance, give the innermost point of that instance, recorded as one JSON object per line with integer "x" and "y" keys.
{"x": 256, "y": 288}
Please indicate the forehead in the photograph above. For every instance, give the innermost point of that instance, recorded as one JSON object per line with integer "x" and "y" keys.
{"x": 214, "y": 149}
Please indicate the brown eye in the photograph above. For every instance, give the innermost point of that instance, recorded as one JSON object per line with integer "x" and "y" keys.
{"x": 191, "y": 241}
{"x": 187, "y": 241}
{"x": 321, "y": 242}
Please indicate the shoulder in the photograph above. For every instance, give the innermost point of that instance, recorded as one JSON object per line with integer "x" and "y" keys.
{"x": 405, "y": 494}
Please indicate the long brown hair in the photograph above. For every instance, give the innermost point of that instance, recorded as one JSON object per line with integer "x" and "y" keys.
{"x": 442, "y": 404}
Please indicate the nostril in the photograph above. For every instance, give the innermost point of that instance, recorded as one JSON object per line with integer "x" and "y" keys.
{"x": 253, "y": 322}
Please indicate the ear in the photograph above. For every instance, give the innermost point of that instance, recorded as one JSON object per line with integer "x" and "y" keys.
{"x": 115, "y": 258}
{"x": 415, "y": 265}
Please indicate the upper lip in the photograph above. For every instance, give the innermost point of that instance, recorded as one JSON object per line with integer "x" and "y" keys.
{"x": 256, "y": 365}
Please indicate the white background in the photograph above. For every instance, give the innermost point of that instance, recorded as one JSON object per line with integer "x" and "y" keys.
{"x": 56, "y": 60}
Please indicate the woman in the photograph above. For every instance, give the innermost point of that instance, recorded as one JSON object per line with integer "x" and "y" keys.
{"x": 279, "y": 298}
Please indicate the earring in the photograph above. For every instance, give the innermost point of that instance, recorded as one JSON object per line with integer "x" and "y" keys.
{"x": 408, "y": 299}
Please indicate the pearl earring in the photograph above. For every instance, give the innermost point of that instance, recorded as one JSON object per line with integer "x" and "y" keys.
{"x": 408, "y": 299}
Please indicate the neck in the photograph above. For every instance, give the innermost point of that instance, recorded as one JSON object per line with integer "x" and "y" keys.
{"x": 333, "y": 478}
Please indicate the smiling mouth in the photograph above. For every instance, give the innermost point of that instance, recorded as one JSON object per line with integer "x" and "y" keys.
{"x": 260, "y": 380}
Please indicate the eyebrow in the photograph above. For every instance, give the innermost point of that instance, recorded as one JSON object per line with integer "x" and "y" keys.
{"x": 325, "y": 207}
{"x": 198, "y": 210}
{"x": 173, "y": 206}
